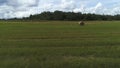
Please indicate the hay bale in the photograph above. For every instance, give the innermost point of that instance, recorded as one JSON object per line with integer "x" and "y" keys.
{"x": 81, "y": 23}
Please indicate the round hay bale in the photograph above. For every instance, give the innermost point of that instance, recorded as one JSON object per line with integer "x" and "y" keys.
{"x": 81, "y": 23}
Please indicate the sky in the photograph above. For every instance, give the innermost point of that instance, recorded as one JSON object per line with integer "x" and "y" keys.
{"x": 25, "y": 8}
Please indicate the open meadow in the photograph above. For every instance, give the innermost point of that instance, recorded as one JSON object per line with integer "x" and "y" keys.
{"x": 60, "y": 44}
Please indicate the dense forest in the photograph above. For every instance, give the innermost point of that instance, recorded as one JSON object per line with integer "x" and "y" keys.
{"x": 70, "y": 16}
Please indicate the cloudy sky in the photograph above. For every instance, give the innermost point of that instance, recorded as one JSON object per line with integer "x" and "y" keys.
{"x": 24, "y": 8}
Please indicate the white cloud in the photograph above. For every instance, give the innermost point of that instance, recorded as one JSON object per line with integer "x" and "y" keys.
{"x": 47, "y": 7}
{"x": 98, "y": 6}
{"x": 67, "y": 5}
{"x": 24, "y": 8}
{"x": 22, "y": 2}
{"x": 116, "y": 10}
{"x": 6, "y": 11}
{"x": 95, "y": 9}
{"x": 99, "y": 9}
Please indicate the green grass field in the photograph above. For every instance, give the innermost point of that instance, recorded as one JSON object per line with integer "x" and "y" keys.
{"x": 60, "y": 44}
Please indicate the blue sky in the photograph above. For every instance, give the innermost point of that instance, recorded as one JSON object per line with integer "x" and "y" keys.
{"x": 24, "y": 8}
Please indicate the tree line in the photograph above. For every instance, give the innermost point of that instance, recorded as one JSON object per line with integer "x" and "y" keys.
{"x": 70, "y": 16}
